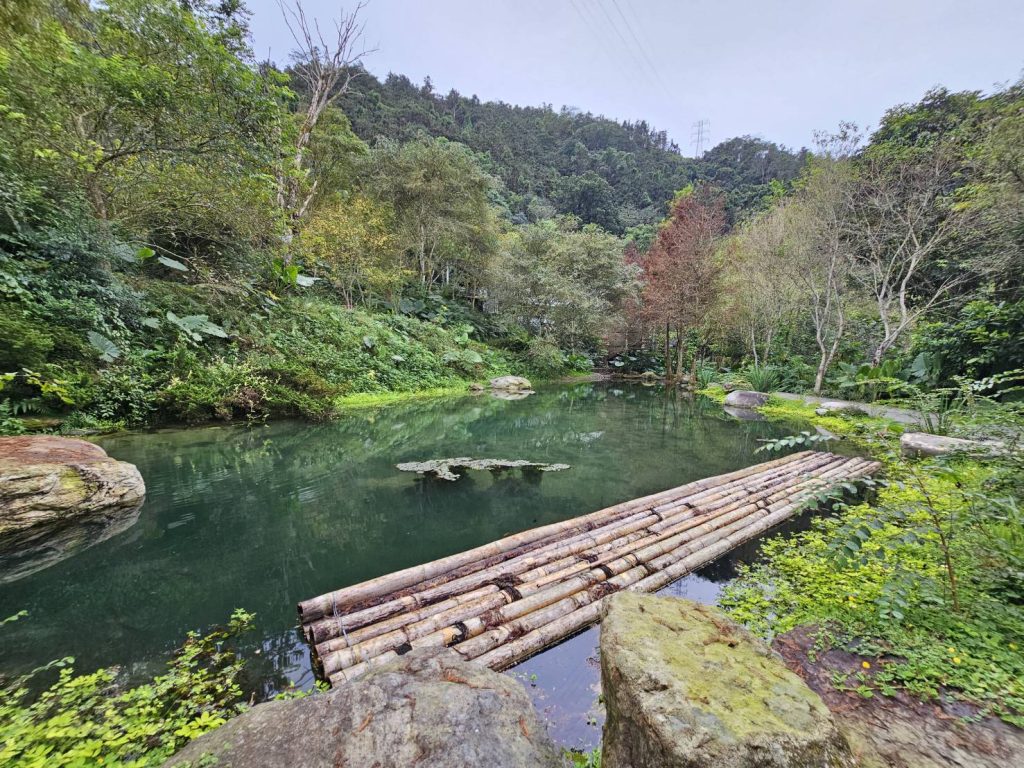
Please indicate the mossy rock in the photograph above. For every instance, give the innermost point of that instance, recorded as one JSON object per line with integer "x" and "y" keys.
{"x": 686, "y": 686}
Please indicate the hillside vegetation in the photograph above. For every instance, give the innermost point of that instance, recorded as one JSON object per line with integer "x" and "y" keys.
{"x": 189, "y": 234}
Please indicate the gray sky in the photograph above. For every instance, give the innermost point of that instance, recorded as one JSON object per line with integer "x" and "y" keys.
{"x": 773, "y": 68}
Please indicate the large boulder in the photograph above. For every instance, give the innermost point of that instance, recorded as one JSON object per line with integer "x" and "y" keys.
{"x": 511, "y": 384}
{"x": 685, "y": 686}
{"x": 58, "y": 495}
{"x": 742, "y": 398}
{"x": 924, "y": 444}
{"x": 849, "y": 408}
{"x": 429, "y": 708}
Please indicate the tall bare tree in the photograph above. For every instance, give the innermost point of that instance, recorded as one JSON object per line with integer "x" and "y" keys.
{"x": 908, "y": 235}
{"x": 820, "y": 261}
{"x": 326, "y": 66}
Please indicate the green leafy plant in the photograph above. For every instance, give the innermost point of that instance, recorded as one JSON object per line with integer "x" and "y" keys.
{"x": 108, "y": 350}
{"x": 196, "y": 327}
{"x": 808, "y": 439}
{"x": 90, "y": 719}
{"x": 764, "y": 378}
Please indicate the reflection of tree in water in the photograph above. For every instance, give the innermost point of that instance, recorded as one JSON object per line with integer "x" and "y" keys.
{"x": 262, "y": 516}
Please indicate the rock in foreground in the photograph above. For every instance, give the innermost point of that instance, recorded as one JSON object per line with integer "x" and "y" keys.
{"x": 686, "y": 686}
{"x": 58, "y": 495}
{"x": 742, "y": 398}
{"x": 430, "y": 708}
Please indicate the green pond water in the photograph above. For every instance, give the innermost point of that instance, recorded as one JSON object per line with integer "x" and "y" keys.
{"x": 260, "y": 517}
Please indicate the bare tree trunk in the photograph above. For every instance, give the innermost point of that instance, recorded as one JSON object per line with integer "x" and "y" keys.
{"x": 668, "y": 353}
{"x": 679, "y": 351}
{"x": 327, "y": 69}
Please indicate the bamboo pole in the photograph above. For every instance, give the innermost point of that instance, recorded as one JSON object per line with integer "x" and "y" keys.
{"x": 465, "y": 605}
{"x": 557, "y": 619}
{"x": 353, "y": 628}
{"x": 650, "y": 550}
{"x": 321, "y": 605}
{"x": 517, "y": 649}
{"x": 341, "y": 625}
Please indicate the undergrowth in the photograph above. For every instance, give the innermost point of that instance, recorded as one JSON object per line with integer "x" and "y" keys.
{"x": 90, "y": 719}
{"x": 924, "y": 581}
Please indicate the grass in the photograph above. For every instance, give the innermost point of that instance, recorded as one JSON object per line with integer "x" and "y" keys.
{"x": 375, "y": 399}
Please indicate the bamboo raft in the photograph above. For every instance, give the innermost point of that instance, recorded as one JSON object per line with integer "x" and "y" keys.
{"x": 507, "y": 600}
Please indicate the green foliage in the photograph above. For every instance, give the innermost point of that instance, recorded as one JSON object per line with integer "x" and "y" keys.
{"x": 616, "y": 175}
{"x": 560, "y": 282}
{"x": 763, "y": 378}
{"x": 921, "y": 581}
{"x": 590, "y": 759}
{"x": 805, "y": 439}
{"x": 23, "y": 344}
{"x": 984, "y": 338}
{"x": 91, "y": 719}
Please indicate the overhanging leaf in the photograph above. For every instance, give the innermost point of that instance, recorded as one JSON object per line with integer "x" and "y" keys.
{"x": 108, "y": 350}
{"x": 172, "y": 263}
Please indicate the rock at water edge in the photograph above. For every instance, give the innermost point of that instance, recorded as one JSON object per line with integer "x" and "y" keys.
{"x": 742, "y": 398}
{"x": 57, "y": 496}
{"x": 511, "y": 383}
{"x": 430, "y": 708}
{"x": 684, "y": 686}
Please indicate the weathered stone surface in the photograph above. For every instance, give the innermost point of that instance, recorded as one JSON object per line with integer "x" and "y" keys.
{"x": 430, "y": 708}
{"x": 513, "y": 383}
{"x": 924, "y": 444}
{"x": 58, "y": 495}
{"x": 841, "y": 406}
{"x": 685, "y": 686}
{"x": 445, "y": 469}
{"x": 742, "y": 398}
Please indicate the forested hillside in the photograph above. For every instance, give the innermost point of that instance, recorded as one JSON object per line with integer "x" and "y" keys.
{"x": 619, "y": 175}
{"x": 190, "y": 234}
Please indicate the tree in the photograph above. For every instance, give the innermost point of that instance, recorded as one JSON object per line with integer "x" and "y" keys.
{"x": 762, "y": 299}
{"x": 325, "y": 68}
{"x": 910, "y": 237}
{"x": 439, "y": 194}
{"x": 819, "y": 260}
{"x": 681, "y": 274}
{"x": 590, "y": 198}
{"x": 350, "y": 241}
{"x": 134, "y": 96}
{"x": 561, "y": 282}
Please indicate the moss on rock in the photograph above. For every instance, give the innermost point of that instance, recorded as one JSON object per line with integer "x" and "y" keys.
{"x": 686, "y": 686}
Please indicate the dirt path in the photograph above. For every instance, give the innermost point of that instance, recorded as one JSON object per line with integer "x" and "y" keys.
{"x": 901, "y": 731}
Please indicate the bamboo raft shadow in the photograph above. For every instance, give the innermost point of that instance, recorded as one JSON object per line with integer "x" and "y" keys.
{"x": 505, "y": 601}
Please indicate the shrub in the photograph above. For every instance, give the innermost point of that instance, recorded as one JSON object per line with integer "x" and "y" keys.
{"x": 220, "y": 389}
{"x": 764, "y": 378}
{"x": 23, "y": 343}
{"x": 544, "y": 357}
{"x": 91, "y": 720}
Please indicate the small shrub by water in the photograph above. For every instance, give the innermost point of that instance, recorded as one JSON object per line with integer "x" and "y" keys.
{"x": 90, "y": 719}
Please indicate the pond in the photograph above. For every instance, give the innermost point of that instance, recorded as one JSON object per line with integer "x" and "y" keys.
{"x": 259, "y": 517}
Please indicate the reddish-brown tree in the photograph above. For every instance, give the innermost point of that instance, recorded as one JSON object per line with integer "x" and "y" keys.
{"x": 680, "y": 272}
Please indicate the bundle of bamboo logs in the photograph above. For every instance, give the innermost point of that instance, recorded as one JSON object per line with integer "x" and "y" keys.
{"x": 504, "y": 601}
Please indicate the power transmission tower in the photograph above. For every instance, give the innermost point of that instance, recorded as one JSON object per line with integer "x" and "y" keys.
{"x": 700, "y": 137}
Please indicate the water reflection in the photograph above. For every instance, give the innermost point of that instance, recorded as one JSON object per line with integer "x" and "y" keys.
{"x": 261, "y": 517}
